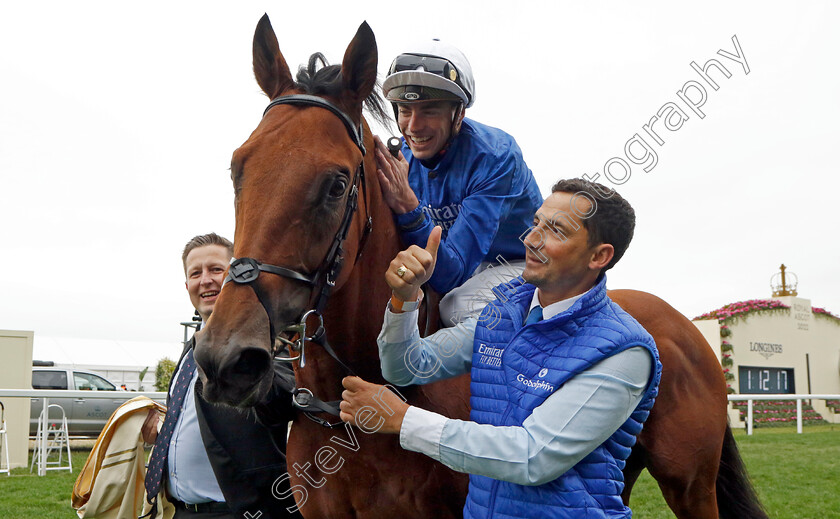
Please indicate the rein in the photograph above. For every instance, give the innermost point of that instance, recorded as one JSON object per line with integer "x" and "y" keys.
{"x": 246, "y": 271}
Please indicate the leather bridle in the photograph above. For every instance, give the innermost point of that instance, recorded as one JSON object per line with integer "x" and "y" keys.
{"x": 246, "y": 271}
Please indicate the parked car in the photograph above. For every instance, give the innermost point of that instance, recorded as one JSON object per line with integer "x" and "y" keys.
{"x": 85, "y": 416}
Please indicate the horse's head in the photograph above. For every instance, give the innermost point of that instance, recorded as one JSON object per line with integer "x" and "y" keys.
{"x": 297, "y": 181}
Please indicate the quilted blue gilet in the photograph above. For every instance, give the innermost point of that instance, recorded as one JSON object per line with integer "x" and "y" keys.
{"x": 515, "y": 368}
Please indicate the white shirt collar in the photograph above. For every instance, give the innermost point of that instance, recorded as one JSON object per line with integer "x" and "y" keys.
{"x": 555, "y": 308}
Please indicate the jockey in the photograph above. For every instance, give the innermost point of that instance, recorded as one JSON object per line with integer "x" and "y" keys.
{"x": 468, "y": 178}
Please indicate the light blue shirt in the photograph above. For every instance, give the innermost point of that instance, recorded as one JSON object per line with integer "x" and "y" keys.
{"x": 191, "y": 477}
{"x": 570, "y": 424}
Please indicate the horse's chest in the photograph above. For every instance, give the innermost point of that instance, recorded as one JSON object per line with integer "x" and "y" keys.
{"x": 346, "y": 473}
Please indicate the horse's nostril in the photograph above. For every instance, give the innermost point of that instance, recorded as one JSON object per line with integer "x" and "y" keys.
{"x": 239, "y": 376}
{"x": 252, "y": 363}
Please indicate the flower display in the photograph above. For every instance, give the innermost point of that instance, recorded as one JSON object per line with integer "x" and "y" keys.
{"x": 741, "y": 309}
{"x": 775, "y": 413}
{"x": 822, "y": 312}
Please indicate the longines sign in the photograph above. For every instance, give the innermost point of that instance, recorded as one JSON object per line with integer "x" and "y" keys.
{"x": 765, "y": 349}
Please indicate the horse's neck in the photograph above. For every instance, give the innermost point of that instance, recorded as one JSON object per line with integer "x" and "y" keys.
{"x": 354, "y": 313}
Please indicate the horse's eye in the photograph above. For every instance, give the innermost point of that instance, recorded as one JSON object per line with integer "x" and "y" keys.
{"x": 338, "y": 187}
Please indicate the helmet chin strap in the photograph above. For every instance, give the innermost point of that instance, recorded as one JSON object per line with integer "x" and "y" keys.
{"x": 456, "y": 119}
{"x": 453, "y": 132}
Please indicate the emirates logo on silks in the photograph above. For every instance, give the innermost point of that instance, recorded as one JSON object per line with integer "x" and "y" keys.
{"x": 543, "y": 372}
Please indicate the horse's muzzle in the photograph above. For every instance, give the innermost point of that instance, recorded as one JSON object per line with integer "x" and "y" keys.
{"x": 232, "y": 374}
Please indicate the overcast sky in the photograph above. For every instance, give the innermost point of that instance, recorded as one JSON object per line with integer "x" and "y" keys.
{"x": 118, "y": 120}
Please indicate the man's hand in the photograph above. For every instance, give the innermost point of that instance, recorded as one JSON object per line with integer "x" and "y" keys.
{"x": 417, "y": 266}
{"x": 393, "y": 178}
{"x": 149, "y": 431}
{"x": 371, "y": 407}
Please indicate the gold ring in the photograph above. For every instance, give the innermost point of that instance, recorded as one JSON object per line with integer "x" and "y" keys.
{"x": 401, "y": 271}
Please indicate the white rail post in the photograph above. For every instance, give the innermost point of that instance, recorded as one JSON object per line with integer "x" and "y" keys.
{"x": 749, "y": 417}
{"x": 41, "y": 445}
{"x": 798, "y": 416}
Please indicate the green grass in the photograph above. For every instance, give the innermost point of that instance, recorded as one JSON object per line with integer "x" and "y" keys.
{"x": 28, "y": 496}
{"x": 797, "y": 477}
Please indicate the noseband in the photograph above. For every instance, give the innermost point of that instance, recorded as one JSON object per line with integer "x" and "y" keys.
{"x": 246, "y": 271}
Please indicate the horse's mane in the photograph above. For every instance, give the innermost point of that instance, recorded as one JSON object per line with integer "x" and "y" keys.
{"x": 325, "y": 80}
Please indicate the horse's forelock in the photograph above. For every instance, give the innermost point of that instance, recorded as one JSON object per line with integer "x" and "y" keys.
{"x": 319, "y": 78}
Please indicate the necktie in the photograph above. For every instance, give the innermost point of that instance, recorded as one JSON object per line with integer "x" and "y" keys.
{"x": 535, "y": 315}
{"x": 157, "y": 462}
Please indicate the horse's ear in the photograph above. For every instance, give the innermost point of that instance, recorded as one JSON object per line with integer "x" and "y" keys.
{"x": 358, "y": 70}
{"x": 270, "y": 67}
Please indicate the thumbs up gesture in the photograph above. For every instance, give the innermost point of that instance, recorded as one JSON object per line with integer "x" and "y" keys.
{"x": 413, "y": 267}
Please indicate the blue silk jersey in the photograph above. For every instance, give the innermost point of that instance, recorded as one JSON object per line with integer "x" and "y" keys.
{"x": 483, "y": 196}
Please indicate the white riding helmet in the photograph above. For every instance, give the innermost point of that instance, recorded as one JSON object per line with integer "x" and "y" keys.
{"x": 434, "y": 70}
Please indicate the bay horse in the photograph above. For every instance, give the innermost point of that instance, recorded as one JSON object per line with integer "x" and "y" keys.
{"x": 313, "y": 233}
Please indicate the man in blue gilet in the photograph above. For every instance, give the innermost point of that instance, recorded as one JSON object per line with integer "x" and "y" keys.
{"x": 562, "y": 379}
{"x": 468, "y": 178}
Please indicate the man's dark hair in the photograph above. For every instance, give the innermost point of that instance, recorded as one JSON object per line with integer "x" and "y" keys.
{"x": 613, "y": 220}
{"x": 202, "y": 240}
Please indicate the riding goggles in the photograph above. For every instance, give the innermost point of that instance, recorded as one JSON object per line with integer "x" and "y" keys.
{"x": 434, "y": 65}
